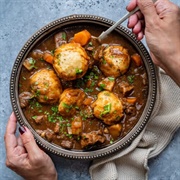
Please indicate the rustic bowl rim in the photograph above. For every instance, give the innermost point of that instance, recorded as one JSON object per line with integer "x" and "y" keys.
{"x": 102, "y": 21}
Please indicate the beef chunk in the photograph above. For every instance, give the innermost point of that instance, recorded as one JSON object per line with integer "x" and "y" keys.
{"x": 67, "y": 144}
{"x": 126, "y": 88}
{"x": 39, "y": 119}
{"x": 92, "y": 138}
{"x": 49, "y": 135}
{"x": 131, "y": 110}
{"x": 24, "y": 98}
{"x": 99, "y": 52}
{"x": 60, "y": 38}
{"x": 56, "y": 128}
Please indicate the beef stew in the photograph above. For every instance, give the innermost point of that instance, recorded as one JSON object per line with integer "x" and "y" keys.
{"x": 83, "y": 97}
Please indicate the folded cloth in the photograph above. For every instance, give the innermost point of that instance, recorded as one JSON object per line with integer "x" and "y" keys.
{"x": 132, "y": 163}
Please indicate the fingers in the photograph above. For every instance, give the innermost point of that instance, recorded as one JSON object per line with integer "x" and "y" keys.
{"x": 133, "y": 20}
{"x": 10, "y": 138}
{"x": 148, "y": 10}
{"x": 29, "y": 143}
{"x": 140, "y": 35}
{"x": 131, "y": 5}
{"x": 138, "y": 27}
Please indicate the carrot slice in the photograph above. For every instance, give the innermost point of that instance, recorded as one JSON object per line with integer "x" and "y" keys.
{"x": 48, "y": 57}
{"x": 131, "y": 100}
{"x": 137, "y": 59}
{"x": 82, "y": 37}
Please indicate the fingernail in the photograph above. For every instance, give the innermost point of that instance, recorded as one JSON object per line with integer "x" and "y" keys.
{"x": 22, "y": 129}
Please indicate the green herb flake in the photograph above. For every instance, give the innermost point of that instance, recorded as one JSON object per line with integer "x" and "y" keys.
{"x": 38, "y": 105}
{"x": 111, "y": 141}
{"x": 66, "y": 105}
{"x": 45, "y": 98}
{"x": 52, "y": 52}
{"x": 54, "y": 109}
{"x": 111, "y": 78}
{"x": 60, "y": 118}
{"x": 46, "y": 84}
{"x": 102, "y": 87}
{"x": 59, "y": 57}
{"x": 34, "y": 117}
{"x": 103, "y": 61}
{"x": 130, "y": 79}
{"x": 90, "y": 44}
{"x": 32, "y": 62}
{"x": 79, "y": 71}
{"x": 51, "y": 118}
{"x": 64, "y": 36}
{"x": 88, "y": 90}
{"x": 107, "y": 109}
{"x": 68, "y": 125}
{"x": 37, "y": 93}
{"x": 92, "y": 84}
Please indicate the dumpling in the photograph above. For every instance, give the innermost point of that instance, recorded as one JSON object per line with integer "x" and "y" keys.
{"x": 70, "y": 100}
{"x": 70, "y": 61}
{"x": 45, "y": 86}
{"x": 108, "y": 107}
{"x": 114, "y": 61}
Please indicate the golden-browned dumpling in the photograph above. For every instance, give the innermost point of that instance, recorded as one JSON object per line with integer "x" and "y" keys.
{"x": 70, "y": 61}
{"x": 70, "y": 100}
{"x": 45, "y": 86}
{"x": 115, "y": 61}
{"x": 108, "y": 107}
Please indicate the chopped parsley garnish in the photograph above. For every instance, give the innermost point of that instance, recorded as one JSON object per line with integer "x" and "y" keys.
{"x": 90, "y": 44}
{"x": 60, "y": 118}
{"x": 111, "y": 78}
{"x": 68, "y": 107}
{"x": 45, "y": 98}
{"x": 52, "y": 52}
{"x": 51, "y": 118}
{"x": 103, "y": 61}
{"x": 91, "y": 75}
{"x": 131, "y": 79}
{"x": 107, "y": 109}
{"x": 32, "y": 63}
{"x": 37, "y": 93}
{"x": 64, "y": 36}
{"x": 102, "y": 87}
{"x": 38, "y": 105}
{"x": 79, "y": 71}
{"x": 88, "y": 90}
{"x": 92, "y": 84}
{"x": 54, "y": 109}
{"x": 34, "y": 117}
{"x": 111, "y": 141}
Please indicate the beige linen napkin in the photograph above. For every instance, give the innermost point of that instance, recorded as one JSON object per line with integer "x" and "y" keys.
{"x": 131, "y": 163}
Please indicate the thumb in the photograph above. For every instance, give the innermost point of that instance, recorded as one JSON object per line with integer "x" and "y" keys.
{"x": 29, "y": 143}
{"x": 148, "y": 10}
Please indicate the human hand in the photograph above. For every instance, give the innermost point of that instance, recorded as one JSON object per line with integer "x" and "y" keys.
{"x": 160, "y": 22}
{"x": 24, "y": 156}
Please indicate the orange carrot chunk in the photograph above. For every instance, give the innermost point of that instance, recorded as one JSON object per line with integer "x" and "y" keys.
{"x": 48, "y": 57}
{"x": 131, "y": 100}
{"x": 137, "y": 59}
{"x": 82, "y": 37}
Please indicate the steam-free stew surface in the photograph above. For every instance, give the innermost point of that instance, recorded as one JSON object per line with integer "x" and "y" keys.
{"x": 52, "y": 125}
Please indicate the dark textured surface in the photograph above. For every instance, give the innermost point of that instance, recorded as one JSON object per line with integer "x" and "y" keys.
{"x": 19, "y": 19}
